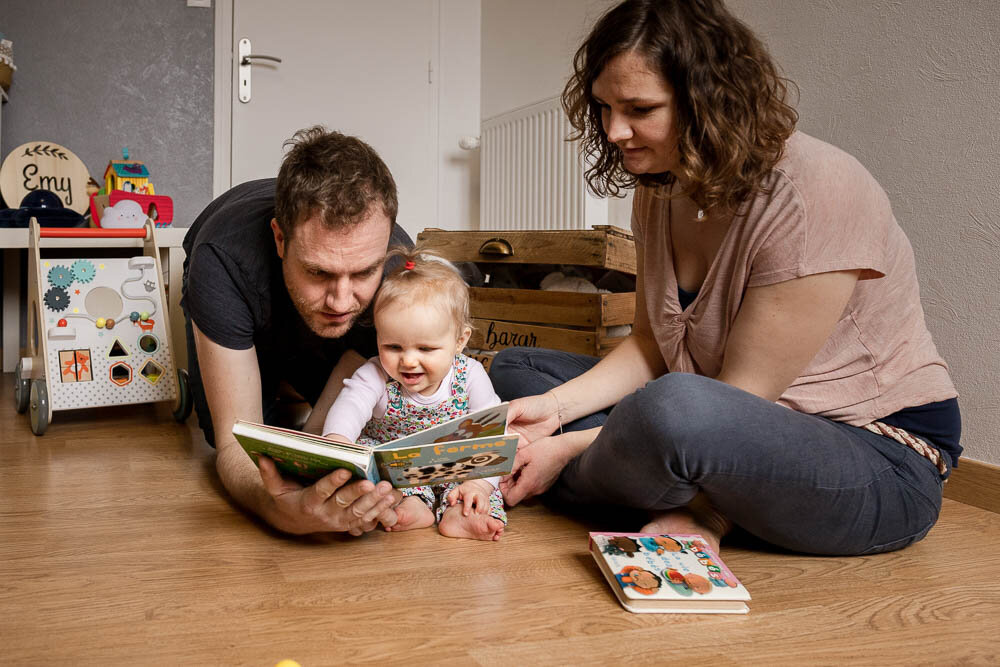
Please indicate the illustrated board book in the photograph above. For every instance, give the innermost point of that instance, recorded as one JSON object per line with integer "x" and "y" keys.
{"x": 471, "y": 446}
{"x": 667, "y": 574}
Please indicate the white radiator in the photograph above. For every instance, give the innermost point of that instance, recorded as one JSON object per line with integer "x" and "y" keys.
{"x": 530, "y": 176}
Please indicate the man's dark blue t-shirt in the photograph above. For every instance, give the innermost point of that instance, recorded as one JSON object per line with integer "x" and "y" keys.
{"x": 235, "y": 292}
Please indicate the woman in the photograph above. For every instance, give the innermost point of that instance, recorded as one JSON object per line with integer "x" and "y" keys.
{"x": 780, "y": 375}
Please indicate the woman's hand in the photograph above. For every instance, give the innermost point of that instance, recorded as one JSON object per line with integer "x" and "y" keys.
{"x": 533, "y": 417}
{"x": 538, "y": 465}
{"x": 536, "y": 469}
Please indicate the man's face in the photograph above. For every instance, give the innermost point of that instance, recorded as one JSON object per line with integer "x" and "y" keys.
{"x": 332, "y": 275}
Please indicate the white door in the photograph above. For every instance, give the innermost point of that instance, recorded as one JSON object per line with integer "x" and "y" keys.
{"x": 360, "y": 67}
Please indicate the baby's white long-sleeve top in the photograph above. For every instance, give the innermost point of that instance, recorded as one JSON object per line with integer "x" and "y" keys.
{"x": 364, "y": 396}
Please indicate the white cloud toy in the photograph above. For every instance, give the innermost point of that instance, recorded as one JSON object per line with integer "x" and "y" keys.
{"x": 125, "y": 214}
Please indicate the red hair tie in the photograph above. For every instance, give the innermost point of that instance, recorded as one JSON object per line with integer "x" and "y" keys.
{"x": 409, "y": 265}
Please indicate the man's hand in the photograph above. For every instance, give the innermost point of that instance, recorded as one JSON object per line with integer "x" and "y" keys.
{"x": 233, "y": 391}
{"x": 330, "y": 505}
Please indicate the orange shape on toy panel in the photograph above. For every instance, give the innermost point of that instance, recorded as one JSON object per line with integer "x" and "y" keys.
{"x": 43, "y": 165}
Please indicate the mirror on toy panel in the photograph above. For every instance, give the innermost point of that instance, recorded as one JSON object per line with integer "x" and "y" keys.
{"x": 103, "y": 302}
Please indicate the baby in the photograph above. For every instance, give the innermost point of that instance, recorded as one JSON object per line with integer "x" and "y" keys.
{"x": 421, "y": 378}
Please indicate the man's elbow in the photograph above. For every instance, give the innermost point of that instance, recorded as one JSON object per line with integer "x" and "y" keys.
{"x": 231, "y": 466}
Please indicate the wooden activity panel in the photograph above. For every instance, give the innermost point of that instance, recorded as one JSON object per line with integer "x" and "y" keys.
{"x": 107, "y": 341}
{"x": 98, "y": 332}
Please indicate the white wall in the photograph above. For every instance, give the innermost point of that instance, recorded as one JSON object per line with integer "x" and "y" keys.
{"x": 528, "y": 49}
{"x": 909, "y": 88}
{"x": 458, "y": 113}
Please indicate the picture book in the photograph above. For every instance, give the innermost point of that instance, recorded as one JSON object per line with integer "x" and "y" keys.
{"x": 667, "y": 574}
{"x": 472, "y": 446}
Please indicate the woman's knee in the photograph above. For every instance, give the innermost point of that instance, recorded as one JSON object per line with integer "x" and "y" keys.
{"x": 680, "y": 407}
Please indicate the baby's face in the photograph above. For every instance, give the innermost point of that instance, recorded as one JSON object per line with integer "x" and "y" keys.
{"x": 417, "y": 344}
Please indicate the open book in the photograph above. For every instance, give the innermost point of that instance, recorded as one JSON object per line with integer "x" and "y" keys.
{"x": 667, "y": 574}
{"x": 472, "y": 446}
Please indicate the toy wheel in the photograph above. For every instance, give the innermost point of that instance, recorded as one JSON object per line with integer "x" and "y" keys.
{"x": 22, "y": 390}
{"x": 184, "y": 404}
{"x": 39, "y": 405}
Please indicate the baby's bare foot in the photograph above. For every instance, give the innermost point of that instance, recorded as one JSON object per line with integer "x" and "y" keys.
{"x": 412, "y": 513}
{"x": 472, "y": 527}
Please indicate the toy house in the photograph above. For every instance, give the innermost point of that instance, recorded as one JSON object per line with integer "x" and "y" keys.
{"x": 129, "y": 176}
{"x": 129, "y": 179}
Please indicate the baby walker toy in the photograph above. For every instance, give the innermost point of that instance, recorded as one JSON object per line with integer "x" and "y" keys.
{"x": 97, "y": 331}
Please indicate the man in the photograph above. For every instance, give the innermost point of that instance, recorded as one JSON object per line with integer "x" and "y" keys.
{"x": 277, "y": 275}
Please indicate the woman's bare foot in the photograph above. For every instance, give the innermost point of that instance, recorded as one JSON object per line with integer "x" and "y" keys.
{"x": 473, "y": 527}
{"x": 697, "y": 518}
{"x": 412, "y": 513}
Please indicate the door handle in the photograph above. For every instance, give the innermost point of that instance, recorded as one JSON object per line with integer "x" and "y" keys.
{"x": 245, "y": 62}
{"x": 249, "y": 56}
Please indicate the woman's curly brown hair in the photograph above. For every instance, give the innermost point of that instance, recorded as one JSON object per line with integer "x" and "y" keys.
{"x": 731, "y": 114}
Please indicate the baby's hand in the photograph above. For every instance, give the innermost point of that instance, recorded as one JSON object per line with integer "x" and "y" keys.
{"x": 474, "y": 494}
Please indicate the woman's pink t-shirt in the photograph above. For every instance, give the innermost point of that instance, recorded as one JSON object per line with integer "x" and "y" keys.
{"x": 823, "y": 212}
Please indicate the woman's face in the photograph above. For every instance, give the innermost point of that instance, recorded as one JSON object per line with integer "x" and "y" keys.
{"x": 637, "y": 112}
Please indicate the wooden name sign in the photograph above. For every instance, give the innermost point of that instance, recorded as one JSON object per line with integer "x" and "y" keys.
{"x": 43, "y": 165}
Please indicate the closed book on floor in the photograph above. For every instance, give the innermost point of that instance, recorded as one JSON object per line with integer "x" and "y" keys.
{"x": 654, "y": 573}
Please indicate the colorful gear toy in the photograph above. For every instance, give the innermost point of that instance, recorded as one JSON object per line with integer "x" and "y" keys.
{"x": 84, "y": 270}
{"x": 60, "y": 276}
{"x": 57, "y": 299}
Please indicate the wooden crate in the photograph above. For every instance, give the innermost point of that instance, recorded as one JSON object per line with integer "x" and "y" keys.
{"x": 603, "y": 246}
{"x": 570, "y": 321}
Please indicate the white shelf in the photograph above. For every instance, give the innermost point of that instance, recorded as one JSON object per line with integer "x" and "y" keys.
{"x": 168, "y": 237}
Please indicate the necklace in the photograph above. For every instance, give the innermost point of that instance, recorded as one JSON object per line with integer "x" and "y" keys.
{"x": 701, "y": 214}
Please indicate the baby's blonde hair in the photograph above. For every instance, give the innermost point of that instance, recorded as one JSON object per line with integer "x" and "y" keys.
{"x": 427, "y": 278}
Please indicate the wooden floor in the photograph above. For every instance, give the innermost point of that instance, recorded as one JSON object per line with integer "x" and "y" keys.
{"x": 117, "y": 547}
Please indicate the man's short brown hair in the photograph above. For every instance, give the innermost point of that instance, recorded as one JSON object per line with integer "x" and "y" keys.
{"x": 331, "y": 175}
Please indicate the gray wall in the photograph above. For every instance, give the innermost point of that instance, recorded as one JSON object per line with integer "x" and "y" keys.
{"x": 911, "y": 88}
{"x": 100, "y": 75}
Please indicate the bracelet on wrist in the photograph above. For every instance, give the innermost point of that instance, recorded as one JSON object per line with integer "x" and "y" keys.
{"x": 558, "y": 410}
